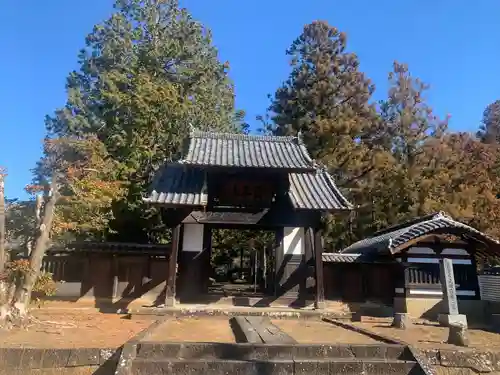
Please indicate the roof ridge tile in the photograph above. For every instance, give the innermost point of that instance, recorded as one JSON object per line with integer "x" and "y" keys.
{"x": 240, "y": 136}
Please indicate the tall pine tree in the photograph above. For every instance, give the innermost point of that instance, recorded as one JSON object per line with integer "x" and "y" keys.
{"x": 410, "y": 129}
{"x": 327, "y": 99}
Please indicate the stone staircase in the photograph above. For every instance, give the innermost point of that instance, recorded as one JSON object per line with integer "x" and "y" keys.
{"x": 265, "y": 359}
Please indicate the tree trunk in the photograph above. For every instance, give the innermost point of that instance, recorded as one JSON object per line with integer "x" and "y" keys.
{"x": 38, "y": 222}
{"x": 23, "y": 292}
{"x": 4, "y": 286}
{"x": 3, "y": 254}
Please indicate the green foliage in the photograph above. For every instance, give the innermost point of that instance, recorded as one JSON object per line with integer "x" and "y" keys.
{"x": 146, "y": 74}
{"x": 87, "y": 191}
{"x": 19, "y": 222}
{"x": 489, "y": 131}
{"x": 17, "y": 270}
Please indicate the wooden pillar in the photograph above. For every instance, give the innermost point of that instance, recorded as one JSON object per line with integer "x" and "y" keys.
{"x": 114, "y": 270}
{"x": 172, "y": 267}
{"x": 86, "y": 283}
{"x": 319, "y": 301}
{"x": 470, "y": 249}
{"x": 279, "y": 260}
{"x": 309, "y": 261}
{"x": 206, "y": 256}
{"x": 399, "y": 277}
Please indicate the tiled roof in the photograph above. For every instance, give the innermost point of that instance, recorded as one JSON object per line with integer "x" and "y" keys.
{"x": 316, "y": 190}
{"x": 391, "y": 240}
{"x": 352, "y": 258}
{"x": 176, "y": 184}
{"x": 340, "y": 258}
{"x": 240, "y": 150}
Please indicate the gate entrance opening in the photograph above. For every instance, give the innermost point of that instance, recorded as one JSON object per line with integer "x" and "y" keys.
{"x": 242, "y": 263}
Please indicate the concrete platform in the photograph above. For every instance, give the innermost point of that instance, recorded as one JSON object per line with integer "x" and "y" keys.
{"x": 205, "y": 358}
{"x": 275, "y": 367}
{"x": 230, "y": 311}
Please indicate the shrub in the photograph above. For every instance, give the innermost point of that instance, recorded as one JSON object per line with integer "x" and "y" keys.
{"x": 15, "y": 272}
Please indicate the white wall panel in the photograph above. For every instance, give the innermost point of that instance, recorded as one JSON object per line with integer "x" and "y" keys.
{"x": 489, "y": 285}
{"x": 192, "y": 239}
{"x": 293, "y": 241}
{"x": 421, "y": 250}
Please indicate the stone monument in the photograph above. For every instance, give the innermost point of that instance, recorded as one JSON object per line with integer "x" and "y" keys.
{"x": 449, "y": 315}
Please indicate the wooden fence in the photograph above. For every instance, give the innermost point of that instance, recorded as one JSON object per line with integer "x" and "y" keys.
{"x": 116, "y": 273}
{"x": 360, "y": 282}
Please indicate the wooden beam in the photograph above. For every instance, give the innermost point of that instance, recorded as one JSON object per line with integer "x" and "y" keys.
{"x": 225, "y": 217}
{"x": 310, "y": 281}
{"x": 278, "y": 259}
{"x": 477, "y": 290}
{"x": 172, "y": 267}
{"x": 319, "y": 301}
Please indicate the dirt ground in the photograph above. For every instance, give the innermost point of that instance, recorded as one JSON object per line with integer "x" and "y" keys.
{"x": 316, "y": 332}
{"x": 429, "y": 334}
{"x": 441, "y": 370}
{"x": 194, "y": 329}
{"x": 73, "y": 329}
{"x": 80, "y": 370}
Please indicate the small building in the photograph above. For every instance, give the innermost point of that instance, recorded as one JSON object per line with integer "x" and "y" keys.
{"x": 402, "y": 263}
{"x": 240, "y": 181}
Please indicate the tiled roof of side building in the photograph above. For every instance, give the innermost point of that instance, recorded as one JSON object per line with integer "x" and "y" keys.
{"x": 353, "y": 258}
{"x": 400, "y": 235}
{"x": 176, "y": 184}
{"x": 241, "y": 150}
{"x": 340, "y": 258}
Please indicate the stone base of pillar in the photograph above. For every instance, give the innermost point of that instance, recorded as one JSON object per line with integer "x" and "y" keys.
{"x": 170, "y": 302}
{"x": 402, "y": 321}
{"x": 448, "y": 320}
{"x": 457, "y": 335}
{"x": 319, "y": 305}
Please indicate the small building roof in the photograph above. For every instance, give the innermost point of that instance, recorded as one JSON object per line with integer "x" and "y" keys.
{"x": 352, "y": 258}
{"x": 176, "y": 185}
{"x": 340, "y": 258}
{"x": 396, "y": 238}
{"x": 211, "y": 149}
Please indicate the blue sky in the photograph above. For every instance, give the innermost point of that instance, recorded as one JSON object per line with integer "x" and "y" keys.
{"x": 454, "y": 45}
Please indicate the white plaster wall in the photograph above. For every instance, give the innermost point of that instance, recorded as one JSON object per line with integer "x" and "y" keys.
{"x": 293, "y": 241}
{"x": 420, "y": 250}
{"x": 192, "y": 239}
{"x": 455, "y": 252}
{"x": 436, "y": 260}
{"x": 429, "y": 251}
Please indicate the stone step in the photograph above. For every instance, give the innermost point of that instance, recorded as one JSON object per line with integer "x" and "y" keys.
{"x": 246, "y": 351}
{"x": 275, "y": 367}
